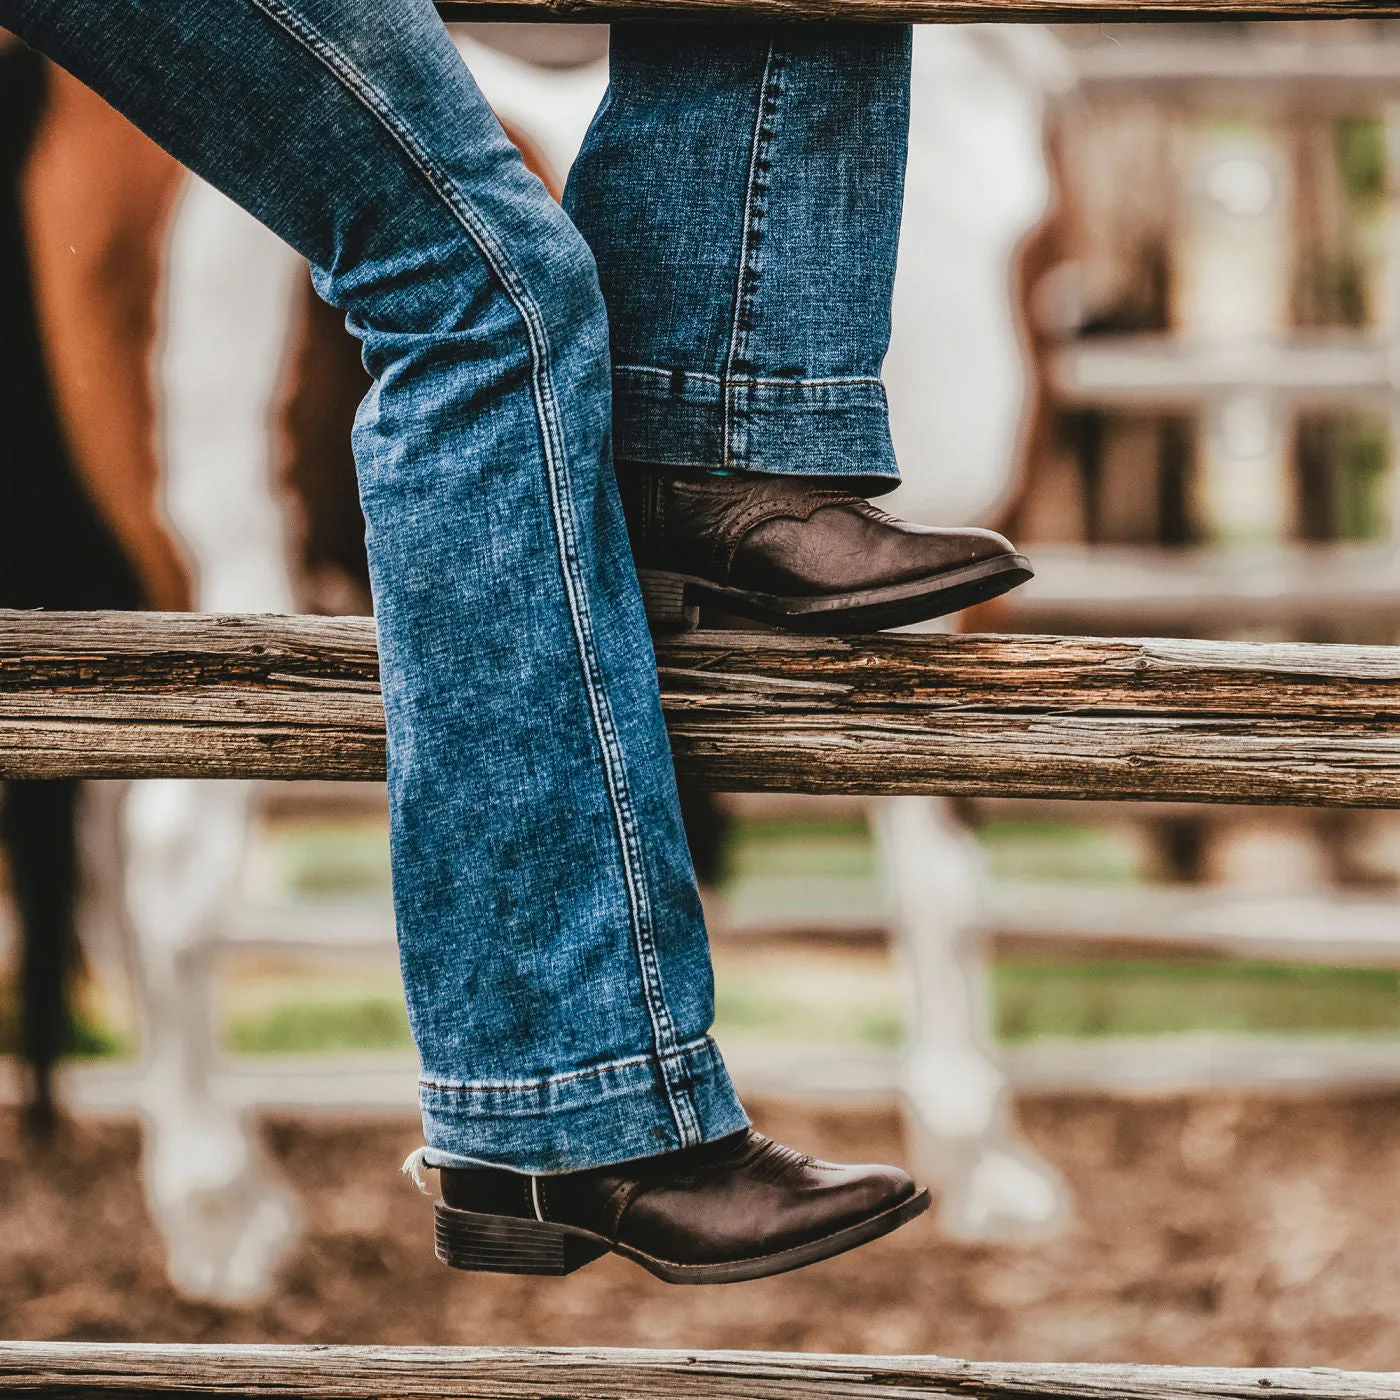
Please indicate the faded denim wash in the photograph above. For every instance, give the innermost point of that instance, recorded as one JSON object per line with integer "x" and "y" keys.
{"x": 741, "y": 191}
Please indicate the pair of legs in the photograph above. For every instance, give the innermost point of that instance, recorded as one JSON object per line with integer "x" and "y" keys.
{"x": 715, "y": 299}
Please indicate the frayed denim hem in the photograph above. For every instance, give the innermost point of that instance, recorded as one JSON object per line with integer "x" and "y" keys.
{"x": 831, "y": 428}
{"x": 569, "y": 1122}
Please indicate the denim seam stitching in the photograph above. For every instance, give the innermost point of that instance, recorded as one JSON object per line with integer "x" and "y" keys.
{"x": 491, "y": 1086}
{"x": 741, "y": 299}
{"x": 377, "y": 104}
{"x": 763, "y": 381}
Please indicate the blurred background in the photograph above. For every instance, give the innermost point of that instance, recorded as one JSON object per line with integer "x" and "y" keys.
{"x": 1147, "y": 321}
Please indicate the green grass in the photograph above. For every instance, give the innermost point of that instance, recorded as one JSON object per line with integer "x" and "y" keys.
{"x": 1036, "y": 998}
{"x": 798, "y": 998}
{"x": 321, "y": 1027}
{"x": 1061, "y": 851}
{"x": 810, "y": 994}
{"x": 1361, "y": 158}
{"x": 90, "y": 1038}
{"x": 795, "y": 859}
{"x": 1058, "y": 998}
{"x": 331, "y": 861}
{"x": 771, "y": 850}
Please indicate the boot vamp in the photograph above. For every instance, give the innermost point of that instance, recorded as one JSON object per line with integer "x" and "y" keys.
{"x": 846, "y": 548}
{"x": 779, "y": 1201}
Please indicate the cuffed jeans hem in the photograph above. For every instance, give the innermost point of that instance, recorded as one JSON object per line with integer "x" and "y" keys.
{"x": 592, "y": 1117}
{"x": 837, "y": 429}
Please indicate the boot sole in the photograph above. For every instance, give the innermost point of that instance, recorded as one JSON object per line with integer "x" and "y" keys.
{"x": 673, "y": 601}
{"x": 501, "y": 1244}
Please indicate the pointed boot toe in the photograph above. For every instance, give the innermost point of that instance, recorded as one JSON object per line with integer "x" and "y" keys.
{"x": 802, "y": 557}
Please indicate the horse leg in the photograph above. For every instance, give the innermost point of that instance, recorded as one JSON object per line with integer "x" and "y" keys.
{"x": 229, "y": 287}
{"x": 37, "y": 828}
{"x": 227, "y": 1222}
{"x": 953, "y": 1092}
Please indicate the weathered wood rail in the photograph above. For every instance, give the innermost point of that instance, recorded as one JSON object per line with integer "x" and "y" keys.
{"x": 189, "y": 695}
{"x": 71, "y": 1370}
{"x": 915, "y": 11}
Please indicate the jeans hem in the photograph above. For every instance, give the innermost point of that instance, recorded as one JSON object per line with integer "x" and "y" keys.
{"x": 590, "y": 1117}
{"x": 831, "y": 428}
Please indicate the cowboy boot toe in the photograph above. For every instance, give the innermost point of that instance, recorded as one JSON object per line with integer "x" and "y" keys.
{"x": 801, "y": 556}
{"x": 774, "y": 1203}
{"x": 851, "y": 546}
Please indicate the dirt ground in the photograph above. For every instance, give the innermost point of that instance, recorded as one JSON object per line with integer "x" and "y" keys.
{"x": 1223, "y": 1230}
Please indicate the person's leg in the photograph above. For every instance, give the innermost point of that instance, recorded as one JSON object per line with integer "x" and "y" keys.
{"x": 553, "y": 947}
{"x": 741, "y": 190}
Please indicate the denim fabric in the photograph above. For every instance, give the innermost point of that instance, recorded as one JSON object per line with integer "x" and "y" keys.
{"x": 741, "y": 189}
{"x": 553, "y": 948}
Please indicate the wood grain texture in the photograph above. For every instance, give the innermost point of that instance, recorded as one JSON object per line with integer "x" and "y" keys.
{"x": 915, "y": 11}
{"x": 59, "y": 1369}
{"x": 185, "y": 695}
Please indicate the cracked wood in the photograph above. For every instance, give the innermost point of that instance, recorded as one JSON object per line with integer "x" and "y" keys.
{"x": 187, "y": 695}
{"x": 66, "y": 1370}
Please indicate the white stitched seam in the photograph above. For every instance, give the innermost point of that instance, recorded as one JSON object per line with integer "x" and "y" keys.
{"x": 835, "y": 382}
{"x": 726, "y": 424}
{"x": 490, "y": 1086}
{"x": 663, "y": 1030}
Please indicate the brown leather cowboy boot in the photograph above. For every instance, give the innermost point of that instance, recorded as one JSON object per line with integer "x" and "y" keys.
{"x": 740, "y": 1208}
{"x": 797, "y": 555}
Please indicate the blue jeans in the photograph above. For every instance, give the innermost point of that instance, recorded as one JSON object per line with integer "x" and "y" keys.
{"x": 734, "y": 216}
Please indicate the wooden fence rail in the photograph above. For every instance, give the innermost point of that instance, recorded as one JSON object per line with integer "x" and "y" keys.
{"x": 916, "y": 11}
{"x": 262, "y": 696}
{"x": 60, "y": 1369}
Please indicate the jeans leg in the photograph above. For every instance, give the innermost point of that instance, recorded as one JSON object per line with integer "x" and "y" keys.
{"x": 741, "y": 190}
{"x": 553, "y": 948}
